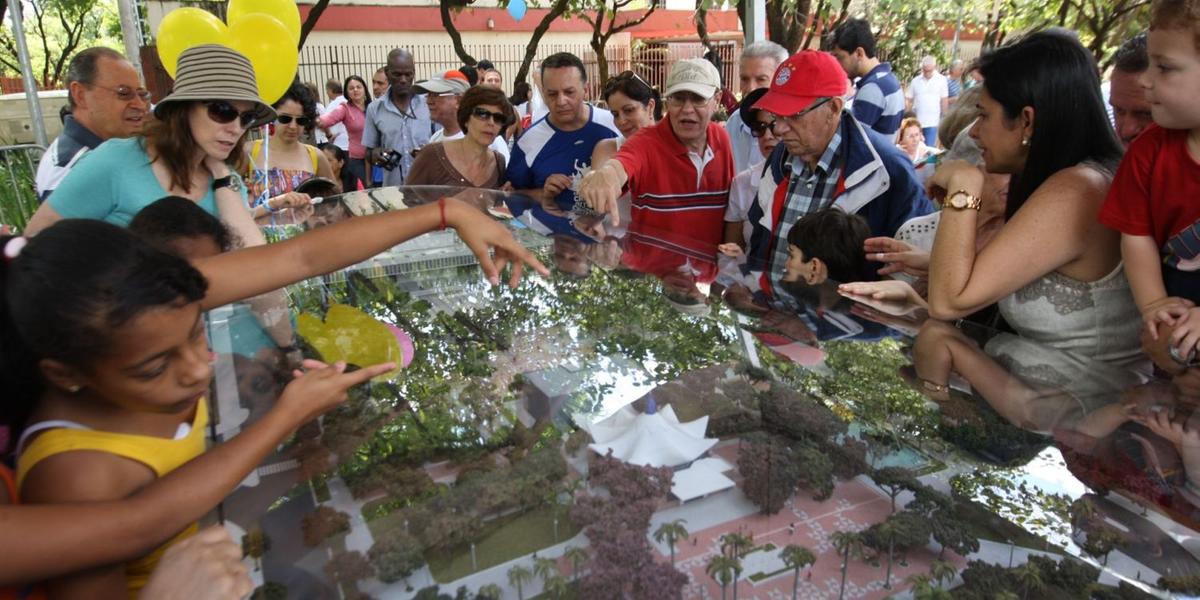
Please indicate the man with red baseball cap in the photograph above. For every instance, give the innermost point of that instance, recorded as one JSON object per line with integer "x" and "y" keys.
{"x": 824, "y": 158}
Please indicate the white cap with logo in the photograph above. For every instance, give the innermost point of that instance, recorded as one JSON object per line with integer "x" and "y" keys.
{"x": 694, "y": 75}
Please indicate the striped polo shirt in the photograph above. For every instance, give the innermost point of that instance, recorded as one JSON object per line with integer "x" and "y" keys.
{"x": 66, "y": 149}
{"x": 879, "y": 101}
{"x": 678, "y": 194}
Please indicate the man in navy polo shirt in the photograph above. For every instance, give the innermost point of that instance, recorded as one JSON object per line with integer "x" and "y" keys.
{"x": 557, "y": 149}
{"x": 879, "y": 101}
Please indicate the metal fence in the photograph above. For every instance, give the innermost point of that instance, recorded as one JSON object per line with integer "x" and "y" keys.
{"x": 321, "y": 63}
{"x": 18, "y": 199}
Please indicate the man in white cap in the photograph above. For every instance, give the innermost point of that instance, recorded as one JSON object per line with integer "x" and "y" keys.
{"x": 442, "y": 94}
{"x": 678, "y": 171}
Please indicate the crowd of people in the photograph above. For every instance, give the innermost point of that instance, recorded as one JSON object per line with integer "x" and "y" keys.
{"x": 1017, "y": 186}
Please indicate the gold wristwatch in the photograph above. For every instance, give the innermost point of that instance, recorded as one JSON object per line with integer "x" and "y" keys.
{"x": 963, "y": 200}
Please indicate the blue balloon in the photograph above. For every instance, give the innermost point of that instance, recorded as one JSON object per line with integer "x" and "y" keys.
{"x": 516, "y": 8}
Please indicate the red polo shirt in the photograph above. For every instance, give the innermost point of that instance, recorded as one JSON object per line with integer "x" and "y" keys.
{"x": 670, "y": 197}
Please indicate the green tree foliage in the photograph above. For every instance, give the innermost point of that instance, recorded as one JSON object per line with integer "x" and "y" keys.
{"x": 519, "y": 576}
{"x": 671, "y": 532}
{"x": 395, "y": 555}
{"x": 850, "y": 545}
{"x": 796, "y": 557}
{"x": 55, "y": 31}
{"x": 322, "y": 523}
{"x": 348, "y": 568}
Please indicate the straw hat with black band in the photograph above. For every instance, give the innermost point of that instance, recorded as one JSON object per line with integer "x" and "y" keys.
{"x": 213, "y": 72}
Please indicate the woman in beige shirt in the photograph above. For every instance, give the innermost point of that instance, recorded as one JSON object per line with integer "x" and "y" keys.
{"x": 483, "y": 113}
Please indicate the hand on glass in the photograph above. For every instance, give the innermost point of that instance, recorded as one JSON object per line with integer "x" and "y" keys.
{"x": 898, "y": 256}
{"x": 491, "y": 242}
{"x": 600, "y": 189}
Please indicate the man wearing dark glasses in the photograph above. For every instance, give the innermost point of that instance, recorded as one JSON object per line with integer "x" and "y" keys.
{"x": 106, "y": 99}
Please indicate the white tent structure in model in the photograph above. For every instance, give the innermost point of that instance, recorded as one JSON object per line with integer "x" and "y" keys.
{"x": 654, "y": 438}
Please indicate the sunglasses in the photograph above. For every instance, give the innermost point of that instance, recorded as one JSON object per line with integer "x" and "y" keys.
{"x": 634, "y": 76}
{"x": 759, "y": 129}
{"x": 223, "y": 112}
{"x": 484, "y": 114}
{"x": 287, "y": 120}
{"x": 125, "y": 93}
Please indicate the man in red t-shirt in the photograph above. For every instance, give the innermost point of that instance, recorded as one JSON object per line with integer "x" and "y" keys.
{"x": 678, "y": 171}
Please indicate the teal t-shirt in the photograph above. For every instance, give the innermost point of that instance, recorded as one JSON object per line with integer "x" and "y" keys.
{"x": 112, "y": 183}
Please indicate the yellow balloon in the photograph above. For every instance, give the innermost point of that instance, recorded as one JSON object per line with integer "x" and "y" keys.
{"x": 264, "y": 40}
{"x": 184, "y": 28}
{"x": 283, "y": 10}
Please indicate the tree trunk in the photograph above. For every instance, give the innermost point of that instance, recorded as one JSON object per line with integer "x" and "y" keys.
{"x": 672, "y": 546}
{"x": 556, "y": 10}
{"x": 701, "y": 18}
{"x": 311, "y": 21}
{"x": 796, "y": 583}
{"x": 455, "y": 36}
{"x": 784, "y": 28}
{"x": 845, "y": 563}
{"x": 887, "y": 577}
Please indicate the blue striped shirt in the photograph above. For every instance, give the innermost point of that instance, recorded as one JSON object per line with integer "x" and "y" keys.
{"x": 879, "y": 102}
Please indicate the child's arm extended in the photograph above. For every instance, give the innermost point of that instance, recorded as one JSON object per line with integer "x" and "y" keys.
{"x": 62, "y": 538}
{"x": 1143, "y": 269}
{"x": 251, "y": 271}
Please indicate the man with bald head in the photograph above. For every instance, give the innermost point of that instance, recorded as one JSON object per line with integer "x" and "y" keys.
{"x": 398, "y": 122}
{"x": 107, "y": 100}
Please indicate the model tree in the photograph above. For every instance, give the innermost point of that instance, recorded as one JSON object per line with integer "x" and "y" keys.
{"x": 1029, "y": 576}
{"x": 1102, "y": 540}
{"x": 894, "y": 481}
{"x": 848, "y": 544}
{"x": 816, "y": 471}
{"x": 348, "y": 568}
{"x": 396, "y": 555}
{"x": 518, "y": 576}
{"x": 724, "y": 570}
{"x": 255, "y": 544}
{"x": 796, "y": 557}
{"x": 769, "y": 471}
{"x": 577, "y": 556}
{"x": 736, "y": 545}
{"x": 322, "y": 523}
{"x": 671, "y": 532}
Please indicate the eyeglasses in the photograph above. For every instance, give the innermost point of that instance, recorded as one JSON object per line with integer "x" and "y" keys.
{"x": 484, "y": 114}
{"x": 224, "y": 112}
{"x": 814, "y": 106}
{"x": 287, "y": 120}
{"x": 125, "y": 93}
{"x": 679, "y": 101}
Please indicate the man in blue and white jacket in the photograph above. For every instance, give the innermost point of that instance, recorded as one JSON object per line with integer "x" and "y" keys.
{"x": 825, "y": 158}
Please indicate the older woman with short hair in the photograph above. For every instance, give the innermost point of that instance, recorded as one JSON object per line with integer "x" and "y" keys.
{"x": 483, "y": 113}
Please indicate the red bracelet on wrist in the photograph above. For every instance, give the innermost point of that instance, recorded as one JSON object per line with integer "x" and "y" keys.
{"x": 442, "y": 210}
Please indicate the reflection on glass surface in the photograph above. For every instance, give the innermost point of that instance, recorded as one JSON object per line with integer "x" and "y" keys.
{"x": 639, "y": 426}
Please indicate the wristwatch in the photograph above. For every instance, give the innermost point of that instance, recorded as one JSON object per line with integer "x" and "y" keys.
{"x": 230, "y": 181}
{"x": 963, "y": 200}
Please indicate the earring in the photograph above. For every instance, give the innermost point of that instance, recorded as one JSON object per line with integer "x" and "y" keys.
{"x": 74, "y": 389}
{"x": 1024, "y": 142}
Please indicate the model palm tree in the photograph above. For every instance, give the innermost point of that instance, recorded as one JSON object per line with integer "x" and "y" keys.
{"x": 545, "y": 568}
{"x": 670, "y": 533}
{"x": 942, "y": 571}
{"x": 577, "y": 556}
{"x": 725, "y": 571}
{"x": 520, "y": 575}
{"x": 1005, "y": 595}
{"x": 887, "y": 531}
{"x": 1029, "y": 575}
{"x": 796, "y": 557}
{"x": 847, "y": 543}
{"x": 490, "y": 591}
{"x": 556, "y": 586}
{"x": 735, "y": 545}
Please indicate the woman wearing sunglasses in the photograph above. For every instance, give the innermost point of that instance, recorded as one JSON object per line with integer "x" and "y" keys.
{"x": 483, "y": 113}
{"x": 185, "y": 151}
{"x": 274, "y": 172}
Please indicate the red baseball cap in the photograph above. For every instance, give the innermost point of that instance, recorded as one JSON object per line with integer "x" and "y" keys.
{"x": 801, "y": 80}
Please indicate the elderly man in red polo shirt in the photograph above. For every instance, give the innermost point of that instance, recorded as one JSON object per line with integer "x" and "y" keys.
{"x": 678, "y": 171}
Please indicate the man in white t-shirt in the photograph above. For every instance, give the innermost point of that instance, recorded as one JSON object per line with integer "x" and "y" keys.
{"x": 442, "y": 94}
{"x": 928, "y": 96}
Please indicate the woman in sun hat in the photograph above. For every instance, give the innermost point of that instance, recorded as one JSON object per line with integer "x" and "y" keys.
{"x": 185, "y": 151}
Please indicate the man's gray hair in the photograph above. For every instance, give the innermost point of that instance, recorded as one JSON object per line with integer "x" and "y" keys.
{"x": 928, "y": 60}
{"x": 765, "y": 49}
